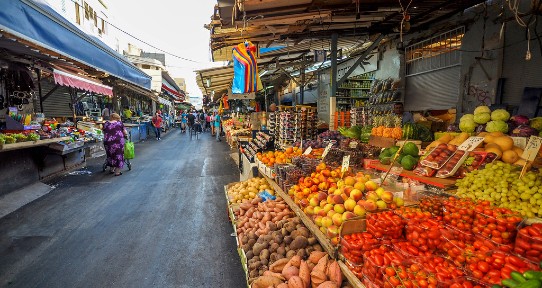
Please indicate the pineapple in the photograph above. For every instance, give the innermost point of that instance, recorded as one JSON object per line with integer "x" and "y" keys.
{"x": 387, "y": 131}
{"x": 377, "y": 126}
{"x": 397, "y": 132}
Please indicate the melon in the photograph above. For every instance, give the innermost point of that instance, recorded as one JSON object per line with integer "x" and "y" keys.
{"x": 509, "y": 157}
{"x": 495, "y": 150}
{"x": 518, "y": 150}
{"x": 497, "y": 134}
{"x": 505, "y": 142}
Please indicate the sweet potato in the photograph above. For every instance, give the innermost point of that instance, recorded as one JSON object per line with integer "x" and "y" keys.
{"x": 328, "y": 284}
{"x": 278, "y": 265}
{"x": 296, "y": 282}
{"x": 305, "y": 273}
{"x": 266, "y": 281}
{"x": 334, "y": 272}
{"x": 315, "y": 256}
{"x": 317, "y": 277}
{"x": 295, "y": 261}
{"x": 282, "y": 285}
{"x": 290, "y": 272}
{"x": 277, "y": 275}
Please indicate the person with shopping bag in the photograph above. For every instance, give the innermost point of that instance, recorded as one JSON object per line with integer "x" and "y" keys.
{"x": 157, "y": 124}
{"x": 114, "y": 135}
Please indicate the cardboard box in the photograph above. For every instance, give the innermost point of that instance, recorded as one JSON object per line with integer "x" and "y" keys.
{"x": 381, "y": 141}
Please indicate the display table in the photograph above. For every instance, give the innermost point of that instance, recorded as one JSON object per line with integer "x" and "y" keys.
{"x": 30, "y": 144}
{"x": 433, "y": 181}
{"x": 246, "y": 168}
{"x": 138, "y": 131}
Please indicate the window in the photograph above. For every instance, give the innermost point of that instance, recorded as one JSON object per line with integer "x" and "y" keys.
{"x": 95, "y": 19}
{"x": 436, "y": 53}
{"x": 87, "y": 16}
{"x": 145, "y": 66}
{"x": 77, "y": 13}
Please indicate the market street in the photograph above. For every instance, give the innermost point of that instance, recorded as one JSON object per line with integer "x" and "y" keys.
{"x": 163, "y": 224}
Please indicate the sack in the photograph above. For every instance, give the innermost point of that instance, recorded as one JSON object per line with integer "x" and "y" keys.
{"x": 129, "y": 152}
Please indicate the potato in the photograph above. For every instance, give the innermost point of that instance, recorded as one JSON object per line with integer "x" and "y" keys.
{"x": 264, "y": 254}
{"x": 301, "y": 253}
{"x": 300, "y": 242}
{"x": 290, "y": 254}
{"x": 274, "y": 246}
{"x": 287, "y": 240}
{"x": 312, "y": 240}
{"x": 258, "y": 247}
{"x": 250, "y": 254}
{"x": 255, "y": 265}
{"x": 281, "y": 250}
{"x": 264, "y": 261}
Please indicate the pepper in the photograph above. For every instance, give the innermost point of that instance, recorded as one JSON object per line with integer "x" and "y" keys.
{"x": 517, "y": 277}
{"x": 529, "y": 275}
{"x": 534, "y": 283}
{"x": 511, "y": 283}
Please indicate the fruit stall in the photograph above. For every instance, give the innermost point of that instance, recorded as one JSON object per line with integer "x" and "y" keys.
{"x": 454, "y": 209}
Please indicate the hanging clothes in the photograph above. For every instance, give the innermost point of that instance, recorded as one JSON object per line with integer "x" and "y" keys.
{"x": 245, "y": 69}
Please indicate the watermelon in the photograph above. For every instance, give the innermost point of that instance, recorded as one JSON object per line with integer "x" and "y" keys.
{"x": 424, "y": 134}
{"x": 410, "y": 131}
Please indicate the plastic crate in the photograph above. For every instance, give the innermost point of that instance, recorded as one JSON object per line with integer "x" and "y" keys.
{"x": 442, "y": 264}
{"x": 459, "y": 213}
{"x": 508, "y": 260}
{"x": 356, "y": 269}
{"x": 354, "y": 245}
{"x": 385, "y": 225}
{"x": 424, "y": 235}
{"x": 528, "y": 245}
{"x": 373, "y": 270}
{"x": 498, "y": 224}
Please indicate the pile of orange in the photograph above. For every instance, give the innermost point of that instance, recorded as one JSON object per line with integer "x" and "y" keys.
{"x": 269, "y": 158}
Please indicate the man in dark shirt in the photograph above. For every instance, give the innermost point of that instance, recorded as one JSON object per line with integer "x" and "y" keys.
{"x": 191, "y": 119}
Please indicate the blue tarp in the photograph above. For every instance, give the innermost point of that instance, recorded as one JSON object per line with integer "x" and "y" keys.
{"x": 36, "y": 22}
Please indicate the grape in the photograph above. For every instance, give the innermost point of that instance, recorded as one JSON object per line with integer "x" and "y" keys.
{"x": 500, "y": 183}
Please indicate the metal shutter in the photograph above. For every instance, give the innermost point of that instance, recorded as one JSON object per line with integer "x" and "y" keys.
{"x": 59, "y": 103}
{"x": 435, "y": 90}
{"x": 518, "y": 72}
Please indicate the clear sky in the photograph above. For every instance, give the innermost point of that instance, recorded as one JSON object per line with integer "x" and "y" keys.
{"x": 175, "y": 26}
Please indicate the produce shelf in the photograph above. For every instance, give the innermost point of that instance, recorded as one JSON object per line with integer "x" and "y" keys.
{"x": 29, "y": 144}
{"x": 433, "y": 181}
{"x": 324, "y": 241}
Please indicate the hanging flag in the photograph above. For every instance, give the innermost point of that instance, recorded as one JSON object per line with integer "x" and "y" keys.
{"x": 245, "y": 69}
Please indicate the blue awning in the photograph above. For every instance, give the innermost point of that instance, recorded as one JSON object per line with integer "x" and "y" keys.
{"x": 36, "y": 22}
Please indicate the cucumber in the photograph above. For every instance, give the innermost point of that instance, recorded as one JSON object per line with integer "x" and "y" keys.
{"x": 511, "y": 283}
{"x": 533, "y": 283}
{"x": 529, "y": 275}
{"x": 517, "y": 277}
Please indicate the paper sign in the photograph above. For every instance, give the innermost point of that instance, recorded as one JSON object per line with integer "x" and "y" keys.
{"x": 327, "y": 150}
{"x": 532, "y": 148}
{"x": 346, "y": 163}
{"x": 353, "y": 144}
{"x": 308, "y": 151}
{"x": 471, "y": 143}
{"x": 521, "y": 142}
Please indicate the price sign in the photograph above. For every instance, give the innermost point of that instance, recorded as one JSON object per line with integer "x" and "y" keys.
{"x": 521, "y": 142}
{"x": 346, "y": 163}
{"x": 328, "y": 147}
{"x": 353, "y": 144}
{"x": 471, "y": 143}
{"x": 532, "y": 148}
{"x": 308, "y": 151}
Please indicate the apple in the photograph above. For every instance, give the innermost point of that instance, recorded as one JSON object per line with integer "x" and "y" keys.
{"x": 332, "y": 189}
{"x": 340, "y": 184}
{"x": 370, "y": 185}
{"x": 359, "y": 186}
{"x": 338, "y": 199}
{"x": 359, "y": 210}
{"x": 399, "y": 201}
{"x": 348, "y": 190}
{"x": 349, "y": 204}
{"x": 317, "y": 209}
{"x": 387, "y": 196}
{"x": 356, "y": 195}
{"x": 309, "y": 210}
{"x": 337, "y": 219}
{"x": 326, "y": 221}
{"x": 372, "y": 196}
{"x": 321, "y": 213}
{"x": 332, "y": 231}
{"x": 348, "y": 215}
{"x": 339, "y": 208}
{"x": 314, "y": 202}
{"x": 349, "y": 181}
{"x": 330, "y": 213}
{"x": 318, "y": 221}
{"x": 338, "y": 191}
{"x": 381, "y": 205}
{"x": 370, "y": 205}
{"x": 322, "y": 196}
{"x": 334, "y": 174}
{"x": 323, "y": 186}
{"x": 379, "y": 191}
{"x": 344, "y": 197}
{"x": 329, "y": 198}
{"x": 304, "y": 203}
{"x": 328, "y": 207}
{"x": 335, "y": 241}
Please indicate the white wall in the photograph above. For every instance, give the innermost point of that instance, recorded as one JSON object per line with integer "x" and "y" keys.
{"x": 389, "y": 64}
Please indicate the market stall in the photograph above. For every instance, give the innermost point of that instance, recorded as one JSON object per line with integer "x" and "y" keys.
{"x": 458, "y": 210}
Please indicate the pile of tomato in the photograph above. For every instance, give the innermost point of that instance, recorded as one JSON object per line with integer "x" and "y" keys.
{"x": 432, "y": 204}
{"x": 385, "y": 225}
{"x": 425, "y": 234}
{"x": 529, "y": 242}
{"x": 493, "y": 266}
{"x": 408, "y": 274}
{"x": 497, "y": 224}
{"x": 459, "y": 213}
{"x": 408, "y": 250}
{"x": 353, "y": 246}
{"x": 377, "y": 259}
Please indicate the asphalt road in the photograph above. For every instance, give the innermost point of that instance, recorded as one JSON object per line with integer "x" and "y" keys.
{"x": 163, "y": 224}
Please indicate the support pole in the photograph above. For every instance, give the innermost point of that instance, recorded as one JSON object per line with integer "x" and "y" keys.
{"x": 334, "y": 40}
{"x": 38, "y": 72}
{"x": 302, "y": 88}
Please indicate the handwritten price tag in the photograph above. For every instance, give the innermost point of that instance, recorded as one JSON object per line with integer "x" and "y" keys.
{"x": 521, "y": 142}
{"x": 471, "y": 143}
{"x": 328, "y": 147}
{"x": 532, "y": 148}
{"x": 308, "y": 151}
{"x": 346, "y": 163}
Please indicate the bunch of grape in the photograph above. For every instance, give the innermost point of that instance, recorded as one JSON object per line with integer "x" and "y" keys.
{"x": 500, "y": 183}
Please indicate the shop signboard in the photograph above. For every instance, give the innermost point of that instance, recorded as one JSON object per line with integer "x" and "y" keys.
{"x": 324, "y": 94}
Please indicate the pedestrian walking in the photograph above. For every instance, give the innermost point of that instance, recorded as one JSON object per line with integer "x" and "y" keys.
{"x": 207, "y": 122}
{"x": 114, "y": 135}
{"x": 157, "y": 123}
{"x": 184, "y": 121}
{"x": 217, "y": 127}
{"x": 212, "y": 120}
{"x": 106, "y": 113}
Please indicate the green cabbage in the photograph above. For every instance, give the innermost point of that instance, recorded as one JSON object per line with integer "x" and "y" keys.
{"x": 482, "y": 118}
{"x": 536, "y": 123}
{"x": 467, "y": 126}
{"x": 467, "y": 117}
{"x": 481, "y": 109}
{"x": 500, "y": 114}
{"x": 497, "y": 126}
